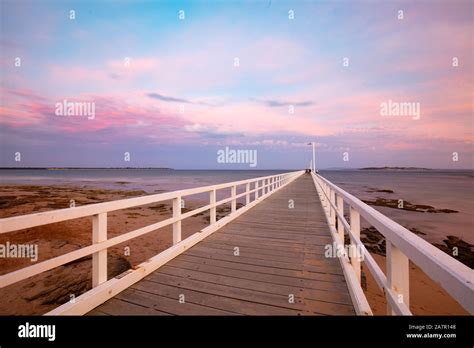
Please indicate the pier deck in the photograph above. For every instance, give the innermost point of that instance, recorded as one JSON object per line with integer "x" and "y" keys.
{"x": 268, "y": 261}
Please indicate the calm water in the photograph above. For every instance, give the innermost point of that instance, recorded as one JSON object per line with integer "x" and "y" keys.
{"x": 440, "y": 189}
{"x": 149, "y": 180}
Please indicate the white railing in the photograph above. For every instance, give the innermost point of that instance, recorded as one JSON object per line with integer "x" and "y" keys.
{"x": 104, "y": 289}
{"x": 402, "y": 246}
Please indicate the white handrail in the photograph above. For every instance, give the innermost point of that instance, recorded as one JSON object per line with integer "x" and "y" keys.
{"x": 99, "y": 214}
{"x": 402, "y": 246}
{"x": 38, "y": 219}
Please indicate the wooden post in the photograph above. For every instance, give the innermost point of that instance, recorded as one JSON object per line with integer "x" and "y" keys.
{"x": 247, "y": 196}
{"x": 177, "y": 224}
{"x": 212, "y": 202}
{"x": 233, "y": 193}
{"x": 99, "y": 259}
{"x": 333, "y": 201}
{"x": 340, "y": 209}
{"x": 355, "y": 230}
{"x": 326, "y": 197}
{"x": 398, "y": 276}
{"x": 256, "y": 190}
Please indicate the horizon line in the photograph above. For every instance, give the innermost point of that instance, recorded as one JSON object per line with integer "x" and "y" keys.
{"x": 242, "y": 169}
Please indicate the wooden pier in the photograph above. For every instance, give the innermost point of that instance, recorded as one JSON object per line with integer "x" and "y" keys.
{"x": 269, "y": 261}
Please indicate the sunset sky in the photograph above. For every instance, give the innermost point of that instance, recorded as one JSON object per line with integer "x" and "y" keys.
{"x": 180, "y": 98}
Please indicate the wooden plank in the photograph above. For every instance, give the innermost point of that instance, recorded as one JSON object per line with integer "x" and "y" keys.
{"x": 261, "y": 262}
{"x": 289, "y": 253}
{"x": 115, "y": 306}
{"x": 278, "y": 279}
{"x": 223, "y": 276}
{"x": 283, "y": 235}
{"x": 261, "y": 243}
{"x": 254, "y": 254}
{"x": 322, "y": 275}
{"x": 213, "y": 301}
{"x": 304, "y": 305}
{"x": 267, "y": 241}
{"x": 257, "y": 268}
{"x": 169, "y": 305}
{"x": 247, "y": 252}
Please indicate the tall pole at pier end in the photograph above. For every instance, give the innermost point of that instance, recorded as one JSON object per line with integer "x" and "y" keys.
{"x": 313, "y": 167}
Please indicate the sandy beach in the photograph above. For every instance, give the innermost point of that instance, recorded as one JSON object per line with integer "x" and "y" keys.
{"x": 42, "y": 293}
{"x": 46, "y": 291}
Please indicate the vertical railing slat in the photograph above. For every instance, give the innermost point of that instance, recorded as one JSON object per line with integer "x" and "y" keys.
{"x": 398, "y": 276}
{"x": 340, "y": 209}
{"x": 333, "y": 201}
{"x": 177, "y": 224}
{"x": 247, "y": 196}
{"x": 233, "y": 193}
{"x": 99, "y": 259}
{"x": 355, "y": 231}
{"x": 212, "y": 202}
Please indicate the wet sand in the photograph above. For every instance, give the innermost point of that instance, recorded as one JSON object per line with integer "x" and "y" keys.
{"x": 46, "y": 291}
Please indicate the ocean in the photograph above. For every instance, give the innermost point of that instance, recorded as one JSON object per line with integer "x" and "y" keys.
{"x": 441, "y": 189}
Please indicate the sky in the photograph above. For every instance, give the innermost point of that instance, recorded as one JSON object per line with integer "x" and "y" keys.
{"x": 174, "y": 82}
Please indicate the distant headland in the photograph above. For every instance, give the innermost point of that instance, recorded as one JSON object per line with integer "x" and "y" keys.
{"x": 394, "y": 168}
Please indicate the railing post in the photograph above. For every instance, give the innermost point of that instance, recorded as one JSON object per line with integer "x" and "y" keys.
{"x": 340, "y": 209}
{"x": 333, "y": 201}
{"x": 355, "y": 231}
{"x": 212, "y": 202}
{"x": 233, "y": 192}
{"x": 256, "y": 190}
{"x": 398, "y": 276}
{"x": 99, "y": 259}
{"x": 247, "y": 196}
{"x": 177, "y": 224}
{"x": 326, "y": 197}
